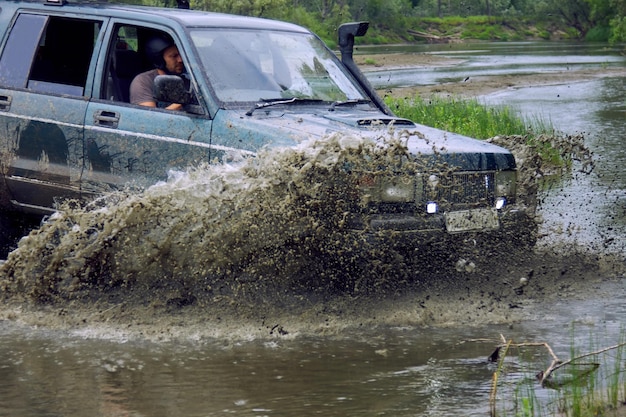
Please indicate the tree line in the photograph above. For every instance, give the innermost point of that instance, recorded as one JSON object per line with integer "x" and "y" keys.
{"x": 598, "y": 20}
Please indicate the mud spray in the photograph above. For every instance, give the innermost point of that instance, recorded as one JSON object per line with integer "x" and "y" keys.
{"x": 260, "y": 247}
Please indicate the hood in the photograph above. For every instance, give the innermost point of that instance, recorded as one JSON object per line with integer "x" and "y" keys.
{"x": 277, "y": 127}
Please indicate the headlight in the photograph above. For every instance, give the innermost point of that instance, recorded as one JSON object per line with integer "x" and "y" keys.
{"x": 506, "y": 183}
{"x": 387, "y": 189}
{"x": 397, "y": 189}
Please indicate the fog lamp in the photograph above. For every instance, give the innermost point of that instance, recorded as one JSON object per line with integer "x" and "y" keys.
{"x": 432, "y": 207}
{"x": 500, "y": 203}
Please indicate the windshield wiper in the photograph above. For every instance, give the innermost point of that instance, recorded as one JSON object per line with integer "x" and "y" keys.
{"x": 348, "y": 102}
{"x": 275, "y": 101}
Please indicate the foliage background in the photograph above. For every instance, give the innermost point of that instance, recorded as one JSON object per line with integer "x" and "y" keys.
{"x": 391, "y": 20}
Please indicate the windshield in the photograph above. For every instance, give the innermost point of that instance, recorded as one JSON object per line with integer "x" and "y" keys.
{"x": 251, "y": 66}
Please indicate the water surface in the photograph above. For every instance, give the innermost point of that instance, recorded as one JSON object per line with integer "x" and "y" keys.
{"x": 346, "y": 365}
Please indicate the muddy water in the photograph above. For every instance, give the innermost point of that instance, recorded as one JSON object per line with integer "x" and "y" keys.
{"x": 591, "y": 208}
{"x": 406, "y": 351}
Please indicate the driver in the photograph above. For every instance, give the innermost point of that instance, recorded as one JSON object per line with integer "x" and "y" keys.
{"x": 166, "y": 59}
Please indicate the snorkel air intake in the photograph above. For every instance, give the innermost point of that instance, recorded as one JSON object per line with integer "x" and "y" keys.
{"x": 347, "y": 33}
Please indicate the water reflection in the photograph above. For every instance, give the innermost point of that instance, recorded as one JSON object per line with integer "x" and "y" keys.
{"x": 371, "y": 373}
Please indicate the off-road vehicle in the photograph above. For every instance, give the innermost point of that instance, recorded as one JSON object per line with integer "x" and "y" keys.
{"x": 68, "y": 130}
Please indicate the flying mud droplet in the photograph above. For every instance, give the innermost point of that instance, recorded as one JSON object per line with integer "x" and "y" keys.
{"x": 463, "y": 265}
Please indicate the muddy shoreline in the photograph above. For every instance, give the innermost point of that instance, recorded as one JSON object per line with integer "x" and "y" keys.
{"x": 473, "y": 86}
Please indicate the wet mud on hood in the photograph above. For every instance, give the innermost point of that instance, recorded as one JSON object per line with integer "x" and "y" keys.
{"x": 280, "y": 128}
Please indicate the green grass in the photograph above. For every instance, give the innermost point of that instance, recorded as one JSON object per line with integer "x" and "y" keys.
{"x": 495, "y": 28}
{"x": 370, "y": 61}
{"x": 468, "y": 117}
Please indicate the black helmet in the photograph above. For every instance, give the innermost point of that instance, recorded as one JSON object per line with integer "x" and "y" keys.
{"x": 154, "y": 50}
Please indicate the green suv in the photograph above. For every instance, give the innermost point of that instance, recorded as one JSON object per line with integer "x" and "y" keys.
{"x": 70, "y": 129}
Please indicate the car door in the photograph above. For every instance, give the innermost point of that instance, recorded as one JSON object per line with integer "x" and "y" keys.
{"x": 44, "y": 84}
{"x": 128, "y": 144}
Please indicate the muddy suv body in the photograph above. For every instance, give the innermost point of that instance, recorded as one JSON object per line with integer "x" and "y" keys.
{"x": 67, "y": 129}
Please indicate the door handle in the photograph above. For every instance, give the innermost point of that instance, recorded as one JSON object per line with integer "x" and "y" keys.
{"x": 106, "y": 118}
{"x": 5, "y": 102}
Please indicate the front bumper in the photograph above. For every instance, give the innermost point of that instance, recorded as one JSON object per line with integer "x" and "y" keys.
{"x": 453, "y": 222}
{"x": 429, "y": 235}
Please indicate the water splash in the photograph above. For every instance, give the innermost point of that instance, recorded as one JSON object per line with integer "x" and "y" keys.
{"x": 206, "y": 230}
{"x": 267, "y": 233}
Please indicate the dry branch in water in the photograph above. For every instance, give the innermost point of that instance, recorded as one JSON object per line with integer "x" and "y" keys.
{"x": 543, "y": 376}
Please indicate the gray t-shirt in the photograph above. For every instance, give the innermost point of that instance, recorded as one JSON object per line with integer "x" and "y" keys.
{"x": 142, "y": 87}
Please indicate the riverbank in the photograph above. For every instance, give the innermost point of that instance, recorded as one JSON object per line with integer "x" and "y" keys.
{"x": 472, "y": 86}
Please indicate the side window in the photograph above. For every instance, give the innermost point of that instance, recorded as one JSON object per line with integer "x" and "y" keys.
{"x": 20, "y": 49}
{"x": 134, "y": 50}
{"x": 63, "y": 56}
{"x": 49, "y": 54}
{"x": 125, "y": 61}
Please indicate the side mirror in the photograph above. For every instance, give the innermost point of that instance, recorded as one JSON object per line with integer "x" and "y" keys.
{"x": 171, "y": 89}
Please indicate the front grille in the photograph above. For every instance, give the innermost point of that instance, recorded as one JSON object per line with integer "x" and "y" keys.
{"x": 464, "y": 188}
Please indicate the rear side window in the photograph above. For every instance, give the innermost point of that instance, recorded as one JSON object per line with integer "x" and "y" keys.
{"x": 20, "y": 49}
{"x": 49, "y": 54}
